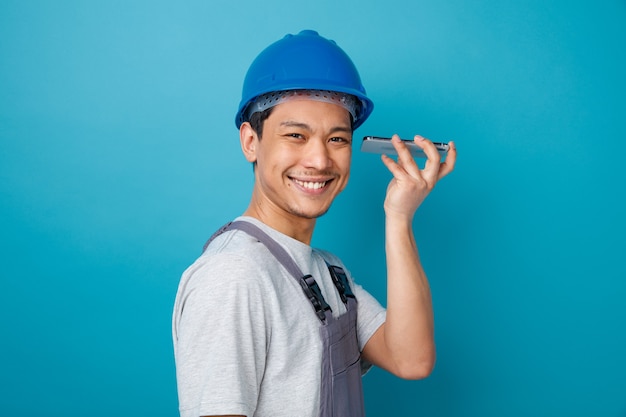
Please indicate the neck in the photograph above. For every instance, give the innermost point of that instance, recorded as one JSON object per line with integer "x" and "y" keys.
{"x": 296, "y": 227}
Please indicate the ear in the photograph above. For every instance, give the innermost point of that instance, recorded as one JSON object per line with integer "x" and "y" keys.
{"x": 248, "y": 139}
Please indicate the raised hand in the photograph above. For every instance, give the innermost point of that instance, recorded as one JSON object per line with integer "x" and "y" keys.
{"x": 410, "y": 184}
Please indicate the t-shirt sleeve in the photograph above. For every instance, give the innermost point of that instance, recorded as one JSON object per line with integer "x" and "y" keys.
{"x": 371, "y": 315}
{"x": 220, "y": 337}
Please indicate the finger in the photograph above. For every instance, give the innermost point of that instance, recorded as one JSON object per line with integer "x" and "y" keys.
{"x": 396, "y": 170}
{"x": 433, "y": 161}
{"x": 448, "y": 166}
{"x": 405, "y": 158}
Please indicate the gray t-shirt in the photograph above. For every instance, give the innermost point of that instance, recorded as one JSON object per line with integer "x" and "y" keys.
{"x": 246, "y": 339}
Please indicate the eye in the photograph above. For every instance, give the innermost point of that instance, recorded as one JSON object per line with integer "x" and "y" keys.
{"x": 295, "y": 135}
{"x": 340, "y": 139}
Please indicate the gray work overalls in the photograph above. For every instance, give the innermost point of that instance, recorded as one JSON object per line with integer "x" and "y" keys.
{"x": 341, "y": 389}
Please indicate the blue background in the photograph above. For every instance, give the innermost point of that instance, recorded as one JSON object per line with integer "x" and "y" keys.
{"x": 119, "y": 157}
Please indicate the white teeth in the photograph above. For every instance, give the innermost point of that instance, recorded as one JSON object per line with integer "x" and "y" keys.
{"x": 311, "y": 185}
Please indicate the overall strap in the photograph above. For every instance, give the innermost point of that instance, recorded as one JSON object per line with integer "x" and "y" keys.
{"x": 310, "y": 287}
{"x": 341, "y": 282}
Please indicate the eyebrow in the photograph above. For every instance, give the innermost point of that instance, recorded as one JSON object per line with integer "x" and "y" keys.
{"x": 305, "y": 126}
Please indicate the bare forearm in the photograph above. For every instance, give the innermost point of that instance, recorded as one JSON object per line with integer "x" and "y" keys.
{"x": 409, "y": 329}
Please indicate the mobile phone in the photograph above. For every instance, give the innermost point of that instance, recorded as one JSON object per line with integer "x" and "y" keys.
{"x": 375, "y": 144}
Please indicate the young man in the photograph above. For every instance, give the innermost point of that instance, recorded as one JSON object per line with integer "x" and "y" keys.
{"x": 266, "y": 325}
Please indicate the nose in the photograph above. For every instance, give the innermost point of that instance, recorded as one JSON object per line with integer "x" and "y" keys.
{"x": 317, "y": 155}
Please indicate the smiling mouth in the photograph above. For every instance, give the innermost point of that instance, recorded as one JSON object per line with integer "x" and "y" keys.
{"x": 311, "y": 185}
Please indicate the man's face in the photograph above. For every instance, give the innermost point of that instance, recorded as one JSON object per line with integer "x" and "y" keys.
{"x": 303, "y": 158}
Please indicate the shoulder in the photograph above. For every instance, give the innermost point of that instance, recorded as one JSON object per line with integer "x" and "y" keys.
{"x": 232, "y": 263}
{"x": 220, "y": 272}
{"x": 222, "y": 284}
{"x": 232, "y": 253}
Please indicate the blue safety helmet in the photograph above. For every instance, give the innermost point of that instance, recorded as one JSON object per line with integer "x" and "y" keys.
{"x": 306, "y": 61}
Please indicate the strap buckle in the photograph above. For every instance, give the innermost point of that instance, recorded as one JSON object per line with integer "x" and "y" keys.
{"x": 341, "y": 282}
{"x": 314, "y": 294}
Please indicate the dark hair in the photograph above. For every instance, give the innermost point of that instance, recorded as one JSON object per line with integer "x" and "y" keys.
{"x": 258, "y": 119}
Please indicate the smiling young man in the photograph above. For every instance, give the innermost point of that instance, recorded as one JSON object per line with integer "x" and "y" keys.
{"x": 301, "y": 164}
{"x": 266, "y": 325}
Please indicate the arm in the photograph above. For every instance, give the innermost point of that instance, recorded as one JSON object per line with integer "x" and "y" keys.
{"x": 219, "y": 336}
{"x": 404, "y": 345}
